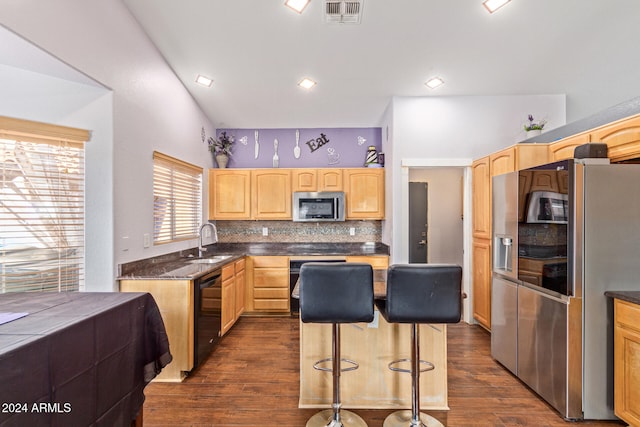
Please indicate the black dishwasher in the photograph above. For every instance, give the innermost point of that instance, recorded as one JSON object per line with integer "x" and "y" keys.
{"x": 207, "y": 317}
{"x": 294, "y": 274}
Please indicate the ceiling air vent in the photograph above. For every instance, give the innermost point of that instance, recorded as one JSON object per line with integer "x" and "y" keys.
{"x": 343, "y": 12}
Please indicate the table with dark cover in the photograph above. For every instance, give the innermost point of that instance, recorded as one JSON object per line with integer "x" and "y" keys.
{"x": 78, "y": 358}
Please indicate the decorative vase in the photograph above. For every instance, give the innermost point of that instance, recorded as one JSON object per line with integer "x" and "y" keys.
{"x": 534, "y": 132}
{"x": 372, "y": 156}
{"x": 222, "y": 160}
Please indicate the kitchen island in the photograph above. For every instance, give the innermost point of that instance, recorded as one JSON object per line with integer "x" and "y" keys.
{"x": 373, "y": 345}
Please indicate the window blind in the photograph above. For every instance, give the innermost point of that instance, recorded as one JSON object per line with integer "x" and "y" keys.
{"x": 41, "y": 207}
{"x": 177, "y": 199}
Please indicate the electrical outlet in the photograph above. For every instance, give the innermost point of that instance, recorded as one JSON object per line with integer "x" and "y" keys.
{"x": 207, "y": 232}
{"x": 352, "y": 231}
{"x": 265, "y": 231}
{"x": 125, "y": 243}
{"x": 147, "y": 240}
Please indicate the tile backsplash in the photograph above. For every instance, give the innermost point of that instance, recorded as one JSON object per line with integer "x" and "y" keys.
{"x": 307, "y": 232}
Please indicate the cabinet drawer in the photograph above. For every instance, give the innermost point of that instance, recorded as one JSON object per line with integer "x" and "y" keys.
{"x": 270, "y": 261}
{"x": 272, "y": 304}
{"x": 271, "y": 278}
{"x": 377, "y": 262}
{"x": 270, "y": 293}
{"x": 627, "y": 315}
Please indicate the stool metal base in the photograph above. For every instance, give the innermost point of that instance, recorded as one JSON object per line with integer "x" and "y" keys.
{"x": 404, "y": 419}
{"x": 347, "y": 419}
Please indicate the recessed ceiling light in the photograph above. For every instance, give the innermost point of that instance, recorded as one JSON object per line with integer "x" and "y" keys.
{"x": 434, "y": 82}
{"x": 306, "y": 83}
{"x": 297, "y": 5}
{"x": 204, "y": 81}
{"x": 493, "y": 5}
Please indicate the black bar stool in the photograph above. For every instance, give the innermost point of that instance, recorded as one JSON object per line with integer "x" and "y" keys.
{"x": 336, "y": 293}
{"x": 420, "y": 293}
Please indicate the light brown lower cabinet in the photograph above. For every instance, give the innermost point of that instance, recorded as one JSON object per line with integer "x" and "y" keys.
{"x": 175, "y": 301}
{"x": 233, "y": 290}
{"x": 626, "y": 362}
{"x": 481, "y": 261}
{"x": 267, "y": 284}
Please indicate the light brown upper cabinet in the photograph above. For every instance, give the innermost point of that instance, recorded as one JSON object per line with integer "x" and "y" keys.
{"x": 503, "y": 161}
{"x": 364, "y": 192}
{"x": 622, "y": 138}
{"x": 481, "y": 193}
{"x": 271, "y": 193}
{"x": 564, "y": 148}
{"x": 229, "y": 194}
{"x": 330, "y": 180}
{"x": 304, "y": 180}
{"x": 530, "y": 155}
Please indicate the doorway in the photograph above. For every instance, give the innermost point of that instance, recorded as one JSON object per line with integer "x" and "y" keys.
{"x": 436, "y": 207}
{"x": 418, "y": 225}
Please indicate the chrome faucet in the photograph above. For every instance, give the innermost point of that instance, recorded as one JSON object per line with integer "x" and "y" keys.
{"x": 201, "y": 248}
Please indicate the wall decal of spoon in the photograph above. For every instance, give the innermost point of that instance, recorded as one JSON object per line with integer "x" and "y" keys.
{"x": 296, "y": 149}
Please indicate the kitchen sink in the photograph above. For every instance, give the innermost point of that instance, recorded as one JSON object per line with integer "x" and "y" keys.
{"x": 210, "y": 260}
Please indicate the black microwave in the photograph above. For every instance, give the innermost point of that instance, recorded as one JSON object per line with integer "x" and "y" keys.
{"x": 318, "y": 206}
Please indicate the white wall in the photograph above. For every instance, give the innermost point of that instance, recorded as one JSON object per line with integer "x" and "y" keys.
{"x": 452, "y": 131}
{"x": 150, "y": 110}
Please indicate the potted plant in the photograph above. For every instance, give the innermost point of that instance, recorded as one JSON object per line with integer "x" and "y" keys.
{"x": 221, "y": 148}
{"x": 534, "y": 128}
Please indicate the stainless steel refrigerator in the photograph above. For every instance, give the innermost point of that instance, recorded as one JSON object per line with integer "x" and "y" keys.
{"x": 573, "y": 241}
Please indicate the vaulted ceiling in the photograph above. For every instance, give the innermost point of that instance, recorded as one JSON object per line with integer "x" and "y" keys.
{"x": 256, "y": 51}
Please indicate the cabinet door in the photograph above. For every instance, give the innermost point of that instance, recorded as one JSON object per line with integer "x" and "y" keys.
{"x": 481, "y": 193}
{"x": 502, "y": 161}
{"x": 240, "y": 287}
{"x": 271, "y": 194}
{"x": 175, "y": 300}
{"x": 530, "y": 155}
{"x": 626, "y": 362}
{"x": 229, "y": 194}
{"x": 563, "y": 149}
{"x": 228, "y": 305}
{"x": 364, "y": 191}
{"x": 304, "y": 180}
{"x": 482, "y": 282}
{"x": 330, "y": 180}
{"x": 228, "y": 315}
{"x": 622, "y": 139}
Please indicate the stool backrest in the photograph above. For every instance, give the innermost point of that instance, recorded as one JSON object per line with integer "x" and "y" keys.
{"x": 336, "y": 292}
{"x": 424, "y": 293}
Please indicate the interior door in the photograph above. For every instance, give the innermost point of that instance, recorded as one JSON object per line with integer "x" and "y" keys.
{"x": 418, "y": 226}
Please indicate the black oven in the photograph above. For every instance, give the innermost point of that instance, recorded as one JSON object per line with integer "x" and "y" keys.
{"x": 207, "y": 315}
{"x": 294, "y": 275}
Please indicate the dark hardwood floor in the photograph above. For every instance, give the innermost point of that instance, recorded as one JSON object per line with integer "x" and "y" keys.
{"x": 252, "y": 379}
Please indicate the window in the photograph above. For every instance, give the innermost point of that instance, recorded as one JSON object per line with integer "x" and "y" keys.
{"x": 41, "y": 207}
{"x": 177, "y": 200}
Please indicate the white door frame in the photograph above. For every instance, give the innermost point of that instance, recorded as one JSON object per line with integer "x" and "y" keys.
{"x": 465, "y": 163}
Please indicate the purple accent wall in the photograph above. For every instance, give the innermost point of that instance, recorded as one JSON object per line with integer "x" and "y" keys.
{"x": 342, "y": 150}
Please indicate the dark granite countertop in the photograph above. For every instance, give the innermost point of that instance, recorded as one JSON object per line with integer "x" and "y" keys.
{"x": 180, "y": 265}
{"x": 629, "y": 296}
